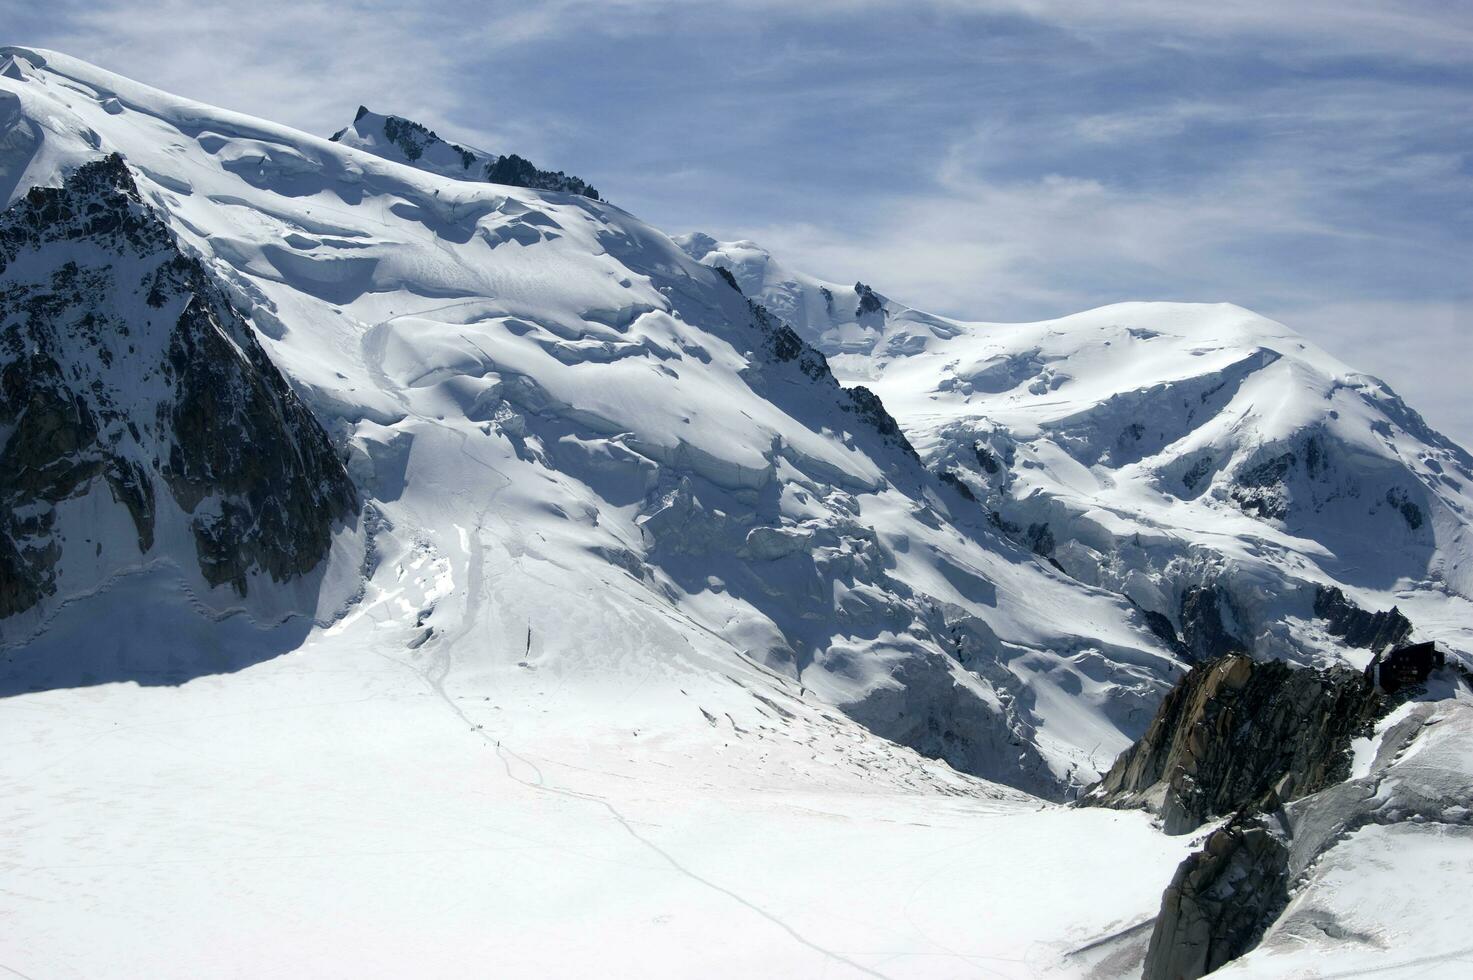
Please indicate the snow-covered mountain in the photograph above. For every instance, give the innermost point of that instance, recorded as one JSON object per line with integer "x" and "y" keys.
{"x": 514, "y": 563}
{"x": 665, "y": 444}
{"x": 1212, "y": 466}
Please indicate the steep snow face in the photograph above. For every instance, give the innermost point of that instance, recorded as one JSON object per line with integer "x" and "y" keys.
{"x": 587, "y": 454}
{"x": 139, "y": 418}
{"x": 1207, "y": 463}
{"x": 406, "y": 141}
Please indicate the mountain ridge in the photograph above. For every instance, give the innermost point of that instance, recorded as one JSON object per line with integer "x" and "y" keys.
{"x": 447, "y": 323}
{"x": 406, "y": 141}
{"x": 1249, "y": 419}
{"x": 683, "y": 629}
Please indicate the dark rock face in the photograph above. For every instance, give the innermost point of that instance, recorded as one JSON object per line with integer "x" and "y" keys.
{"x": 1315, "y": 473}
{"x": 727, "y": 277}
{"x": 1219, "y": 902}
{"x": 867, "y": 406}
{"x": 512, "y": 169}
{"x": 1356, "y": 626}
{"x": 782, "y": 344}
{"x": 1260, "y": 489}
{"x": 1161, "y": 625}
{"x": 870, "y": 307}
{"x": 986, "y": 460}
{"x": 1204, "y": 628}
{"x": 1237, "y": 734}
{"x": 123, "y": 365}
{"x": 1233, "y": 893}
{"x": 956, "y": 483}
{"x": 1410, "y": 512}
{"x": 1196, "y": 473}
{"x": 412, "y": 138}
{"x": 1040, "y": 539}
{"x": 1269, "y": 744}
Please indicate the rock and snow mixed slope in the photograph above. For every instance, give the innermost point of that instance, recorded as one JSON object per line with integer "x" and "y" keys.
{"x": 624, "y": 535}
{"x": 406, "y": 141}
{"x": 555, "y": 402}
{"x": 142, "y": 419}
{"x": 1208, "y": 464}
{"x": 1377, "y": 865}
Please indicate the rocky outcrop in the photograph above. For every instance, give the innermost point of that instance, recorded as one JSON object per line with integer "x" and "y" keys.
{"x": 1356, "y": 626}
{"x": 782, "y": 344}
{"x": 1269, "y": 746}
{"x": 1161, "y": 625}
{"x": 406, "y": 141}
{"x": 871, "y": 306}
{"x": 1234, "y": 894}
{"x": 1238, "y": 734}
{"x": 519, "y": 172}
{"x": 1219, "y": 902}
{"x": 126, "y": 371}
{"x": 1206, "y": 615}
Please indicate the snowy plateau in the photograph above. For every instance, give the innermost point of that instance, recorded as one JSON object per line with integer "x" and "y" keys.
{"x": 414, "y": 565}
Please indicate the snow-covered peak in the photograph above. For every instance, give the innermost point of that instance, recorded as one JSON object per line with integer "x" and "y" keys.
{"x": 847, "y": 323}
{"x": 1098, "y": 491}
{"x": 1209, "y": 423}
{"x": 397, "y": 138}
{"x": 1200, "y": 459}
{"x": 542, "y": 397}
{"x": 406, "y": 141}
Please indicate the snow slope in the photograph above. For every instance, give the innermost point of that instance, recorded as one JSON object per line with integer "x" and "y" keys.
{"x": 645, "y": 600}
{"x": 1176, "y": 454}
{"x": 351, "y": 810}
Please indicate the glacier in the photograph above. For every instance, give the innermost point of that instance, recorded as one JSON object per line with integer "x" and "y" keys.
{"x": 692, "y": 616}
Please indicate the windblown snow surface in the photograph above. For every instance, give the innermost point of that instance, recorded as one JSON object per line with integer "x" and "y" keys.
{"x": 624, "y": 667}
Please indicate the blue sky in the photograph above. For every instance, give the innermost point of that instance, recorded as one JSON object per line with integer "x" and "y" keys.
{"x": 985, "y": 159}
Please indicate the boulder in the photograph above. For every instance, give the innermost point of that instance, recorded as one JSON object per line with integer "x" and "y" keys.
{"x": 1219, "y": 902}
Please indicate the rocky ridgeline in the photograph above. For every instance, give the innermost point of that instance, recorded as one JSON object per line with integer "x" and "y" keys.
{"x": 125, "y": 367}
{"x": 397, "y": 138}
{"x": 783, "y": 344}
{"x": 1234, "y": 895}
{"x": 1269, "y": 746}
{"x": 1357, "y": 627}
{"x": 1238, "y": 733}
